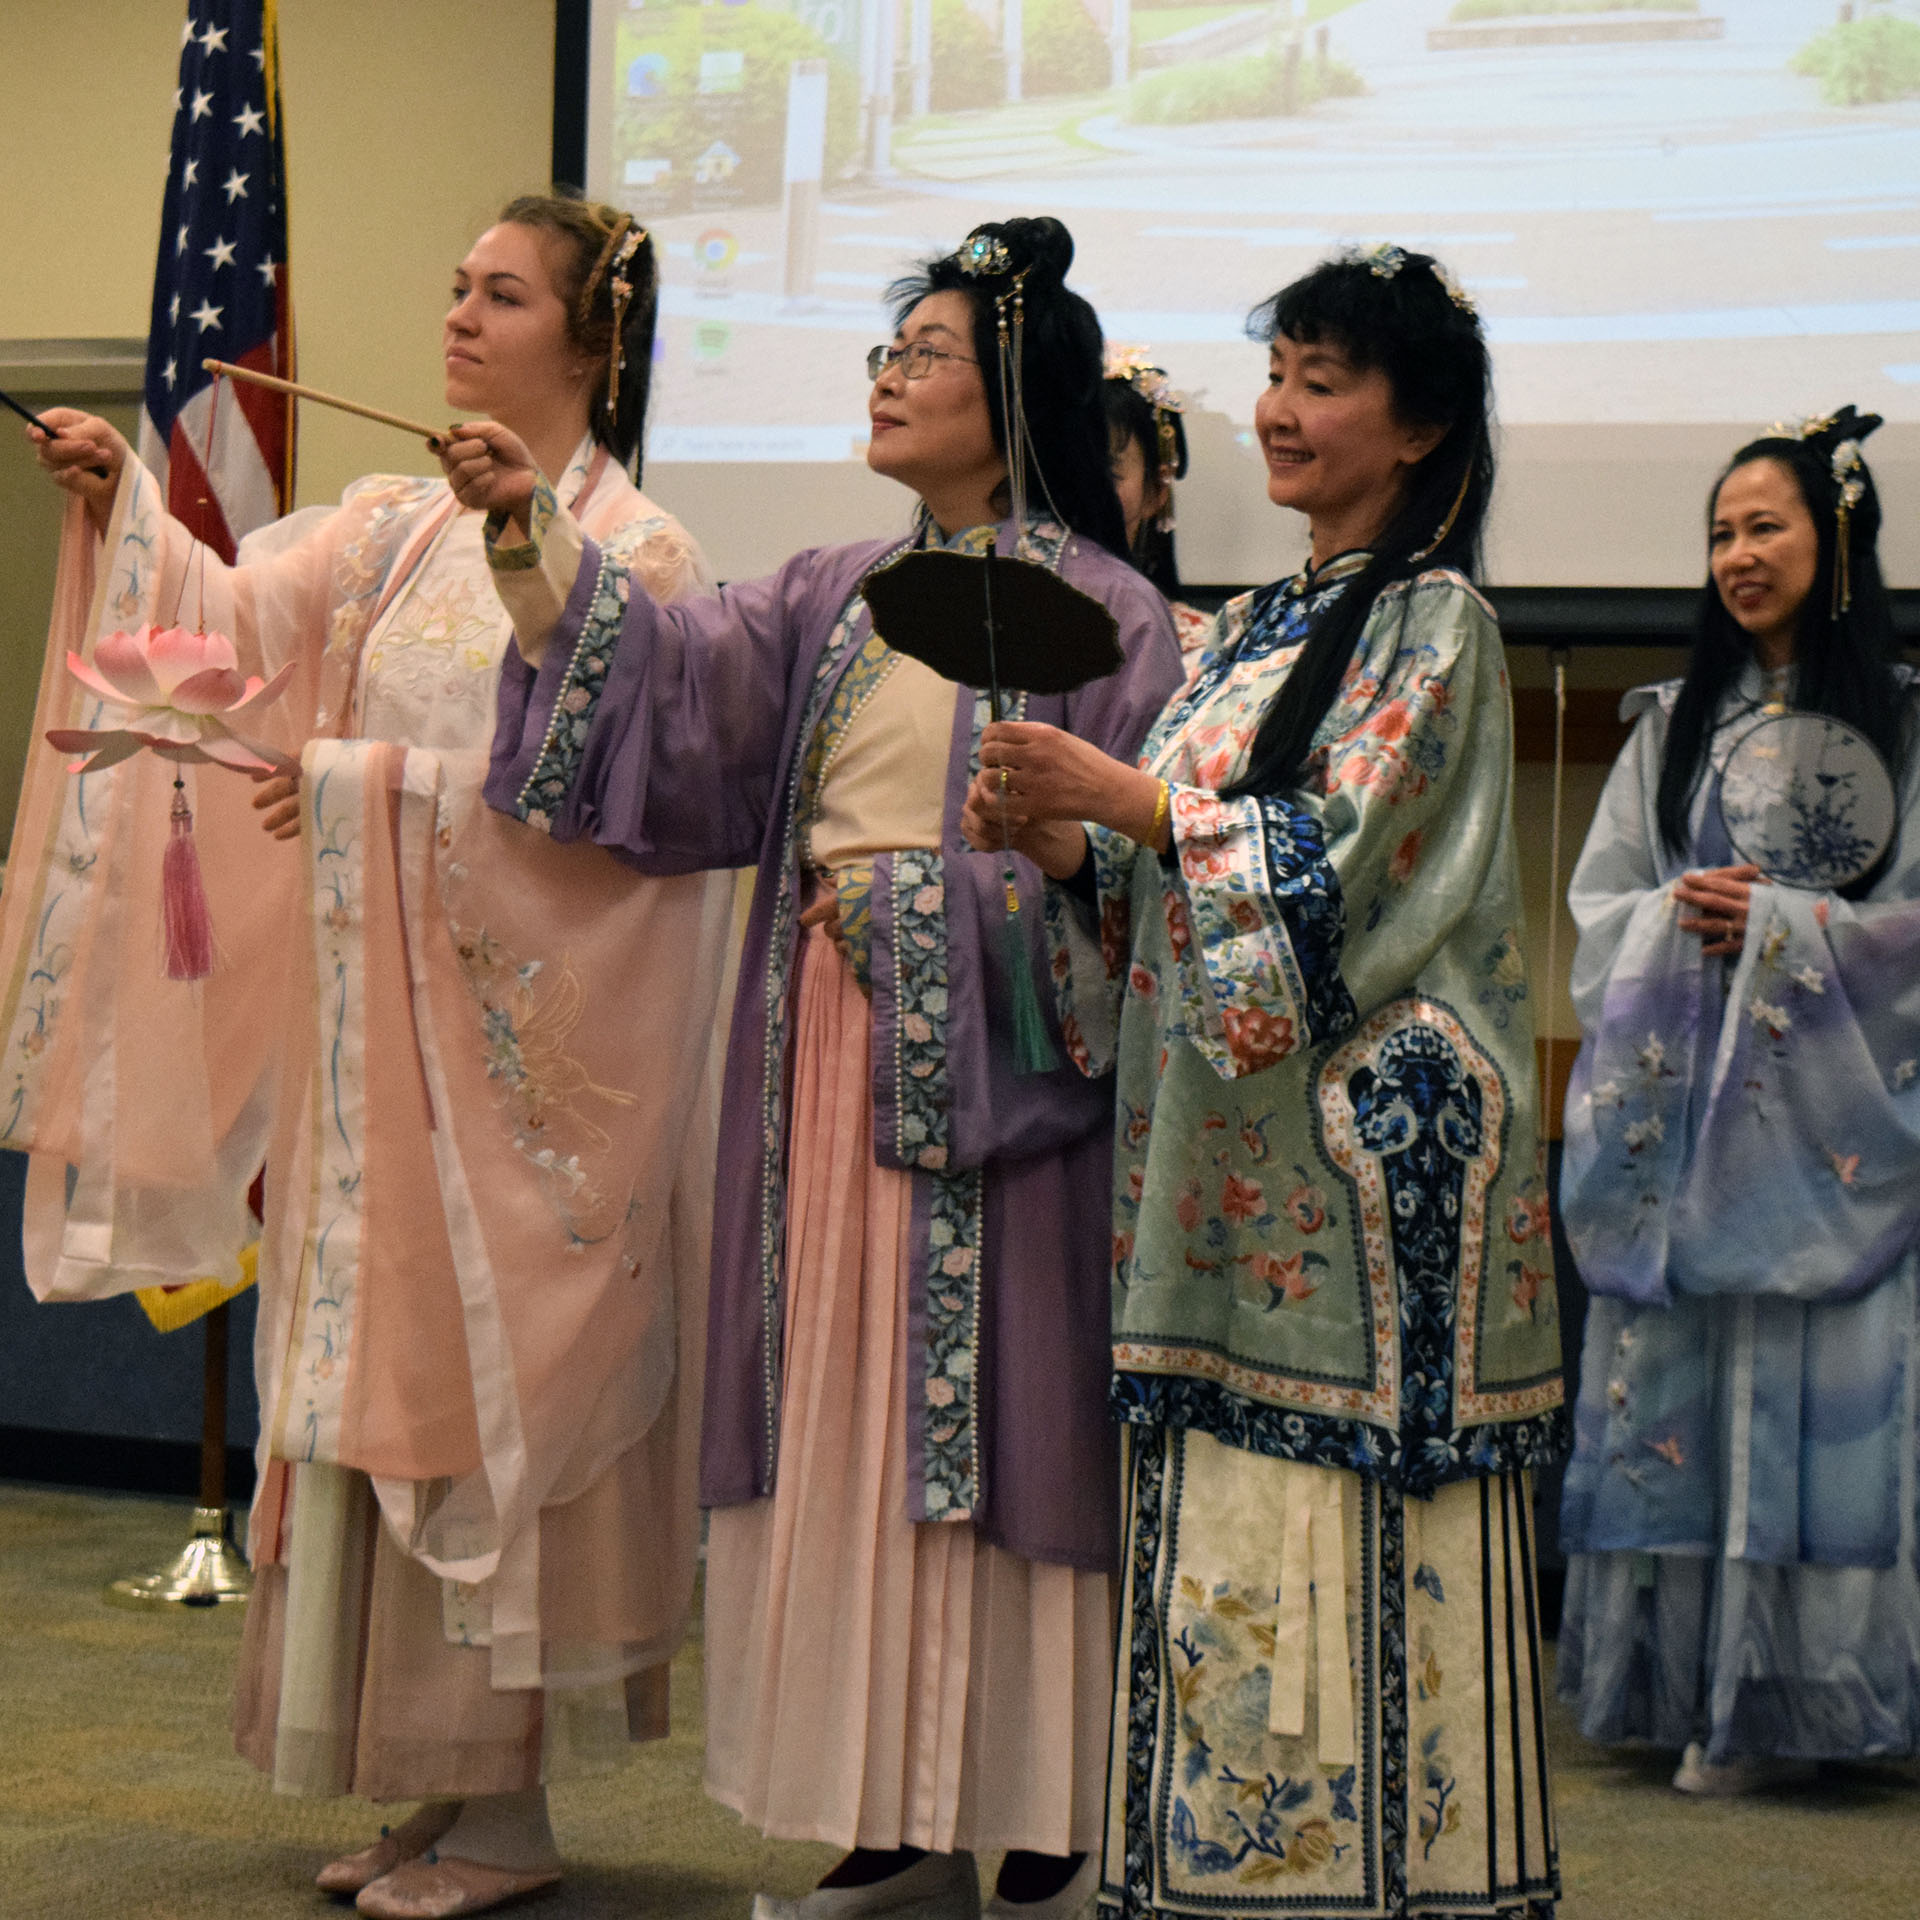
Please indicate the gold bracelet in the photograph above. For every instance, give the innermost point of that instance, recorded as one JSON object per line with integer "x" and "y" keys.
{"x": 1162, "y": 803}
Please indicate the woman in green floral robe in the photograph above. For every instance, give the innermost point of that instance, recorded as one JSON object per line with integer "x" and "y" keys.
{"x": 1295, "y": 928}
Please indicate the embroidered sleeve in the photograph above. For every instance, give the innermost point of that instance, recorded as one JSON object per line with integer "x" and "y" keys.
{"x": 534, "y": 577}
{"x": 562, "y": 748}
{"x": 912, "y": 1096}
{"x": 1088, "y": 946}
{"x": 1258, "y": 922}
{"x": 1195, "y": 630}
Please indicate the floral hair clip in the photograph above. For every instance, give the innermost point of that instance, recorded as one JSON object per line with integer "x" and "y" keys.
{"x": 1811, "y": 428}
{"x": 1848, "y": 468}
{"x": 1149, "y": 381}
{"x": 1455, "y": 292}
{"x": 984, "y": 256}
{"x": 1386, "y": 259}
{"x": 1167, "y": 403}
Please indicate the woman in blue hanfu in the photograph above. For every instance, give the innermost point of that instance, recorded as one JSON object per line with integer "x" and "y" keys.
{"x": 1742, "y": 1182}
{"x": 1295, "y": 925}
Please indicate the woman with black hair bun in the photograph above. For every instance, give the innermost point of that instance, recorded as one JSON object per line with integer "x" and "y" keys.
{"x": 1741, "y": 1184}
{"x": 908, "y": 1453}
{"x": 1294, "y": 927}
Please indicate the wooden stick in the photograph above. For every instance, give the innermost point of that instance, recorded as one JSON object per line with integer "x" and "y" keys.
{"x": 325, "y": 399}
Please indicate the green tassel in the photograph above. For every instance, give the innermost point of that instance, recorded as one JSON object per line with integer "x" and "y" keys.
{"x": 1033, "y": 1049}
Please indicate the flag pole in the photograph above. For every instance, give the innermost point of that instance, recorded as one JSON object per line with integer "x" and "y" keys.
{"x": 209, "y": 1570}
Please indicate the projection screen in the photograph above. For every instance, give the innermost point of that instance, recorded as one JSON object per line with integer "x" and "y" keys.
{"x": 1676, "y": 222}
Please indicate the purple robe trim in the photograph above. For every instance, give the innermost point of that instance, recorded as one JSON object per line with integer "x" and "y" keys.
{"x": 685, "y": 748}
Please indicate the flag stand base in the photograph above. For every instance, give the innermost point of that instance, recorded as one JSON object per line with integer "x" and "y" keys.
{"x": 207, "y": 1572}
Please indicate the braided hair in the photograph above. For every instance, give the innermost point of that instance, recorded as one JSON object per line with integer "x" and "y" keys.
{"x": 586, "y": 233}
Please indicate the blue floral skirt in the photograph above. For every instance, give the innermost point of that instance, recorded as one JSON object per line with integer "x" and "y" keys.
{"x": 1740, "y": 1522}
{"x": 1330, "y": 1698}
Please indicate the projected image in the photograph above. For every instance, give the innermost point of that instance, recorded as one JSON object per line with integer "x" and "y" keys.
{"x": 1668, "y": 211}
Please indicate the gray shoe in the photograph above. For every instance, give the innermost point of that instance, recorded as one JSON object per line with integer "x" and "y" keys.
{"x": 942, "y": 1886}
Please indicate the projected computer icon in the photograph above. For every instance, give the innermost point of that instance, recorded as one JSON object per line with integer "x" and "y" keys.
{"x": 716, "y": 165}
{"x": 647, "y": 76}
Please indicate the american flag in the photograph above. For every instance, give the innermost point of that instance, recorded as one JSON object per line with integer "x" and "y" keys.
{"x": 220, "y": 290}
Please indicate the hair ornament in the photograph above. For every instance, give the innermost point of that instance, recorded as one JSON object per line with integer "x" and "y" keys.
{"x": 1386, "y": 259}
{"x": 984, "y": 256}
{"x": 1454, "y": 291}
{"x": 622, "y": 223}
{"x": 1149, "y": 381}
{"x": 621, "y": 287}
{"x": 1848, "y": 469}
{"x": 1847, "y": 426}
{"x": 1850, "y": 478}
{"x": 1163, "y": 398}
{"x": 1811, "y": 428}
{"x": 1446, "y": 526}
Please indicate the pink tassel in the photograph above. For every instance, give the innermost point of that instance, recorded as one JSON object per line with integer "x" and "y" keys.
{"x": 183, "y": 898}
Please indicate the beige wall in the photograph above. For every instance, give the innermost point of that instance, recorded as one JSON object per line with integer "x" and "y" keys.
{"x": 407, "y": 124}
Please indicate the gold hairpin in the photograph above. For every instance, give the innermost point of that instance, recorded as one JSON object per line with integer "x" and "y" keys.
{"x": 583, "y": 308}
{"x": 622, "y": 290}
{"x": 1446, "y": 526}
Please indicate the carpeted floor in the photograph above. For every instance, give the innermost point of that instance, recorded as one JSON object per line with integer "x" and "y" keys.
{"x": 119, "y": 1794}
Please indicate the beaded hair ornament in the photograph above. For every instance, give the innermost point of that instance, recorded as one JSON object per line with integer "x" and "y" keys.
{"x": 615, "y": 265}
{"x": 985, "y": 256}
{"x": 1150, "y": 382}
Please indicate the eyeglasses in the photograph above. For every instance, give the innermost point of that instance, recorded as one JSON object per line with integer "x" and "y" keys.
{"x": 915, "y": 361}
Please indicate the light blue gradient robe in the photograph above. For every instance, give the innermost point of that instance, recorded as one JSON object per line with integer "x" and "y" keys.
{"x": 1741, "y": 1189}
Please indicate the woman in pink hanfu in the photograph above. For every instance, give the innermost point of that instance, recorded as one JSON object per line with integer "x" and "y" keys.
{"x": 475, "y": 1067}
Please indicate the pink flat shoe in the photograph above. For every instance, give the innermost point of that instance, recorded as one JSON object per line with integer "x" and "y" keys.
{"x": 437, "y": 1887}
{"x": 343, "y": 1878}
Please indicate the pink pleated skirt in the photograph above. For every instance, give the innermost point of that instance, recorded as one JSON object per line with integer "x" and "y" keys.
{"x": 872, "y": 1681}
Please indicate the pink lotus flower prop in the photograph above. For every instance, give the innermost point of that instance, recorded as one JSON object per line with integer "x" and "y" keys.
{"x": 180, "y": 694}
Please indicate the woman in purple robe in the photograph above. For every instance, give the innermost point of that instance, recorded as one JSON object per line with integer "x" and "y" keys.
{"x": 907, "y": 1446}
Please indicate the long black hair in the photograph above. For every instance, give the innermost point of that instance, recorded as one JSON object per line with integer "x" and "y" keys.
{"x": 1843, "y": 657}
{"x": 585, "y": 235}
{"x": 1061, "y": 364}
{"x": 1399, "y": 312}
{"x": 1131, "y": 416}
